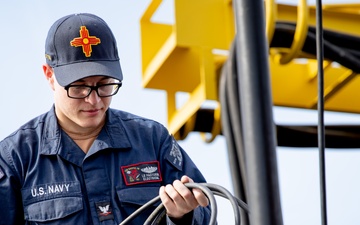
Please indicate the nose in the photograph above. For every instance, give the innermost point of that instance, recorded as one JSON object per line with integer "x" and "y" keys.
{"x": 93, "y": 98}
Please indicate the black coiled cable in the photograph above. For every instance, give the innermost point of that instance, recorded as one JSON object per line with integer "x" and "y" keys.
{"x": 210, "y": 190}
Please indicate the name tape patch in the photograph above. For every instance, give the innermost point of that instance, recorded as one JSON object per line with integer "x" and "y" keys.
{"x": 50, "y": 190}
{"x": 145, "y": 172}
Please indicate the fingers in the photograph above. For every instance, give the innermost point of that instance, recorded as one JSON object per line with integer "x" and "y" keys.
{"x": 179, "y": 200}
{"x": 175, "y": 204}
{"x": 168, "y": 203}
{"x": 200, "y": 197}
{"x": 198, "y": 194}
{"x": 186, "y": 179}
{"x": 182, "y": 195}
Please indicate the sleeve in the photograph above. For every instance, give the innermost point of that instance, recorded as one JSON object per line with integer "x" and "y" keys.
{"x": 11, "y": 209}
{"x": 187, "y": 219}
{"x": 174, "y": 164}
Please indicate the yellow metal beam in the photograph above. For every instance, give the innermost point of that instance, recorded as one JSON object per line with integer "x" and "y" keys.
{"x": 293, "y": 85}
{"x": 182, "y": 57}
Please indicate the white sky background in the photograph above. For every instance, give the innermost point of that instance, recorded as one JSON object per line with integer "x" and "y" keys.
{"x": 24, "y": 94}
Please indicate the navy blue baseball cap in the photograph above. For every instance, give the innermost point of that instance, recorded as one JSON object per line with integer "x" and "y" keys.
{"x": 82, "y": 45}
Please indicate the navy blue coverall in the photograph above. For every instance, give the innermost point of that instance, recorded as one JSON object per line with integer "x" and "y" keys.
{"x": 45, "y": 178}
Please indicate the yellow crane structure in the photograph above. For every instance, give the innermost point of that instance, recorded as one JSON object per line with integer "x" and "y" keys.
{"x": 186, "y": 57}
{"x": 192, "y": 55}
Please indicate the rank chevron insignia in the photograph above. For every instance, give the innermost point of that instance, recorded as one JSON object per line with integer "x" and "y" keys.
{"x": 85, "y": 41}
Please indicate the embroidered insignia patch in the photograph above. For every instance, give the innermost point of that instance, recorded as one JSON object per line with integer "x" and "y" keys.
{"x": 175, "y": 157}
{"x": 85, "y": 41}
{"x": 145, "y": 172}
{"x": 104, "y": 211}
{"x": 2, "y": 174}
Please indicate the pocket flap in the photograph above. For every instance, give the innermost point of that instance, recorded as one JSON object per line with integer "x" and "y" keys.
{"x": 137, "y": 195}
{"x": 53, "y": 209}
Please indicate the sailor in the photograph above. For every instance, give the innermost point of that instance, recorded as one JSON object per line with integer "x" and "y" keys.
{"x": 83, "y": 162}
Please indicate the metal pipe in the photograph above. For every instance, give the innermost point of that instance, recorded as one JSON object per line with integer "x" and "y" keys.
{"x": 256, "y": 110}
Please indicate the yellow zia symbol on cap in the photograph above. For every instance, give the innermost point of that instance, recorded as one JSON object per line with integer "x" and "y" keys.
{"x": 85, "y": 40}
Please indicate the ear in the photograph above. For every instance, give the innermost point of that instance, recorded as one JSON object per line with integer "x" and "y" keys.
{"x": 49, "y": 75}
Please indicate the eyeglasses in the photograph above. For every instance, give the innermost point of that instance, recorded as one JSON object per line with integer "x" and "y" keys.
{"x": 83, "y": 91}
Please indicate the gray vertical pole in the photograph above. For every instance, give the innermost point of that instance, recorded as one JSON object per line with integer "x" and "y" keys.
{"x": 257, "y": 117}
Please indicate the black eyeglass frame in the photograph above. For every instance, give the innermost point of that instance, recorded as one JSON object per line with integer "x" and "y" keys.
{"x": 92, "y": 88}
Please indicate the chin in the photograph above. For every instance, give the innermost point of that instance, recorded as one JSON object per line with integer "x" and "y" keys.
{"x": 91, "y": 123}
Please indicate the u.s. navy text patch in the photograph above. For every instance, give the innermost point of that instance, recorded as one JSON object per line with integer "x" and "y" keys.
{"x": 145, "y": 172}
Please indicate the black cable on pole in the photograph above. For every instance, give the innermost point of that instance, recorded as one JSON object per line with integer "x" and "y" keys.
{"x": 321, "y": 126}
{"x": 256, "y": 113}
{"x": 338, "y": 47}
{"x": 231, "y": 123}
{"x": 231, "y": 127}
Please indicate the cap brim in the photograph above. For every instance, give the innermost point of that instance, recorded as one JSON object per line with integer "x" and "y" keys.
{"x": 70, "y": 73}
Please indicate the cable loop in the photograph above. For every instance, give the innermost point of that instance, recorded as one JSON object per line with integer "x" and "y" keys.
{"x": 210, "y": 190}
{"x": 300, "y": 33}
{"x": 271, "y": 14}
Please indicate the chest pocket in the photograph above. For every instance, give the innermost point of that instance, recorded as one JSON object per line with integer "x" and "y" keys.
{"x": 133, "y": 198}
{"x": 53, "y": 209}
{"x": 51, "y": 202}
